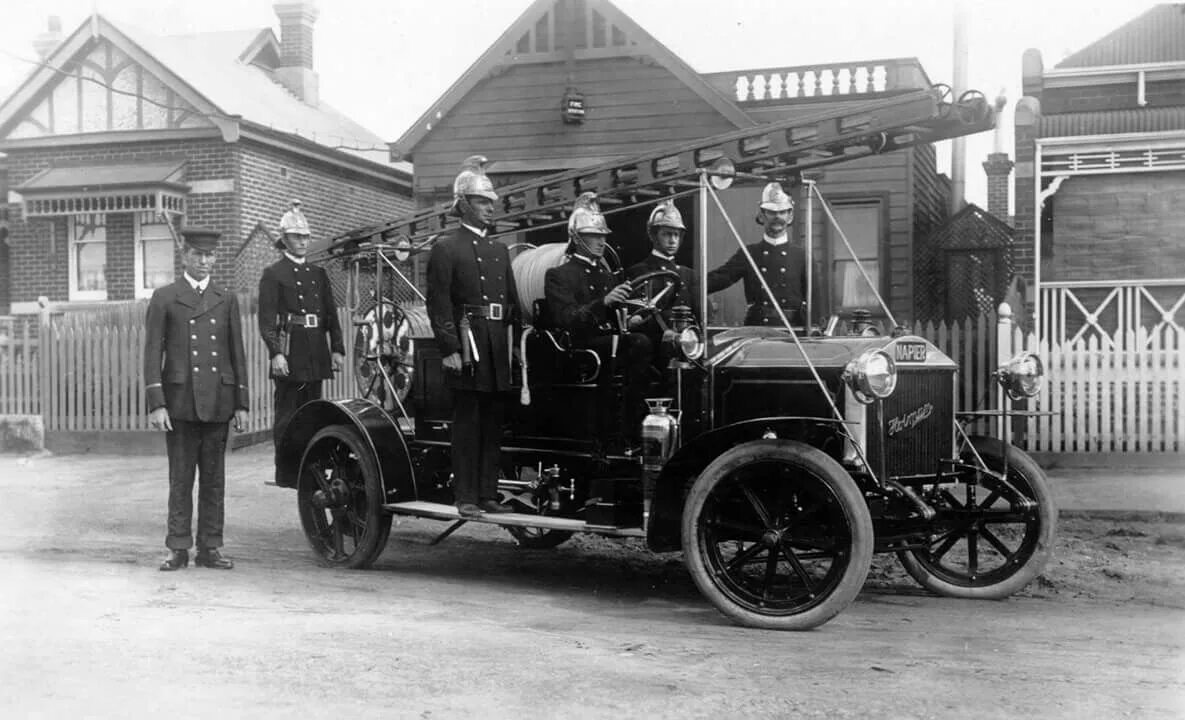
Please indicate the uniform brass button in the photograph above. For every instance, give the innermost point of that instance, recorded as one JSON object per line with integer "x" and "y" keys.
{"x": 485, "y": 297}
{"x": 214, "y": 353}
{"x": 213, "y": 338}
{"x": 213, "y": 369}
{"x": 212, "y": 321}
{"x": 479, "y": 259}
{"x": 482, "y": 277}
{"x": 297, "y": 282}
{"x": 195, "y": 352}
{"x": 192, "y": 321}
{"x": 193, "y": 337}
{"x": 781, "y": 269}
{"x": 762, "y": 269}
{"x": 195, "y": 368}
{"x": 783, "y": 253}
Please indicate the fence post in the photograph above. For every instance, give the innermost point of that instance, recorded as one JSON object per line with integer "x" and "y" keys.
{"x": 45, "y": 347}
{"x": 1004, "y": 352}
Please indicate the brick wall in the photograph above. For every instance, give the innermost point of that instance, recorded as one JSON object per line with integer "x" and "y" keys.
{"x": 333, "y": 199}
{"x": 1117, "y": 227}
{"x": 5, "y": 213}
{"x": 260, "y": 183}
{"x": 1024, "y": 221}
{"x": 998, "y": 168}
{"x": 39, "y": 263}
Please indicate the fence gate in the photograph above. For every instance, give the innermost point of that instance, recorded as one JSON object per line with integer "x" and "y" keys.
{"x": 1115, "y": 356}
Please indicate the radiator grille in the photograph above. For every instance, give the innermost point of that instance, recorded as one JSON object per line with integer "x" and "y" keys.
{"x": 915, "y": 428}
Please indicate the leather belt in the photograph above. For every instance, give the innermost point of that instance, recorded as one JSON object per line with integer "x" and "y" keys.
{"x": 493, "y": 311}
{"x": 311, "y": 320}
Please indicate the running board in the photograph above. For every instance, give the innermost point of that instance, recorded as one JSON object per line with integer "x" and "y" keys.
{"x": 440, "y": 511}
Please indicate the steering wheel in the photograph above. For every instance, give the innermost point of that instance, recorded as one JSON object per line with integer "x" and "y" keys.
{"x": 646, "y": 295}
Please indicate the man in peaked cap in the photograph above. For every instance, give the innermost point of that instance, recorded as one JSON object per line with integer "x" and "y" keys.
{"x": 782, "y": 263}
{"x": 196, "y": 375}
{"x": 297, "y": 315}
{"x": 471, "y": 301}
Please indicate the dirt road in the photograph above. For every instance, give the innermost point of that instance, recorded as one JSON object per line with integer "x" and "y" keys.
{"x": 477, "y": 627}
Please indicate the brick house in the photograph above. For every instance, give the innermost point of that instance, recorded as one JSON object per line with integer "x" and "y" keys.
{"x": 1100, "y": 182}
{"x": 119, "y": 129}
{"x": 637, "y": 95}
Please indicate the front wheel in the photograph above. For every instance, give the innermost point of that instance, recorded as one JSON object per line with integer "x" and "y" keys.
{"x": 339, "y": 497}
{"x": 777, "y": 535}
{"x": 988, "y": 543}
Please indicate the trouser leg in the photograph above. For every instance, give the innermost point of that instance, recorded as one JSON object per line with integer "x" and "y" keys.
{"x": 287, "y": 399}
{"x": 211, "y": 485}
{"x": 466, "y": 445}
{"x": 492, "y": 407}
{"x": 182, "y": 445}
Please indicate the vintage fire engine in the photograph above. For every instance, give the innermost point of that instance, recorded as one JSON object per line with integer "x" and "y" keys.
{"x": 777, "y": 459}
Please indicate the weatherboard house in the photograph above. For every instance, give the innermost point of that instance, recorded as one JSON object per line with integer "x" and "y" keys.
{"x": 576, "y": 83}
{"x": 118, "y": 132}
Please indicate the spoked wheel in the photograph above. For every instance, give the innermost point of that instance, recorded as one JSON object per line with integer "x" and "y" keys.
{"x": 987, "y": 541}
{"x": 777, "y": 535}
{"x": 339, "y": 497}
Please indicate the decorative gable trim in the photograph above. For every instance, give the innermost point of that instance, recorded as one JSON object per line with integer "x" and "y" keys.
{"x": 263, "y": 51}
{"x": 46, "y": 76}
{"x": 531, "y": 39}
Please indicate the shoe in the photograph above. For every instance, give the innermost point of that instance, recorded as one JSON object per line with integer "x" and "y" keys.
{"x": 469, "y": 510}
{"x": 493, "y": 506}
{"x": 176, "y": 560}
{"x": 212, "y": 559}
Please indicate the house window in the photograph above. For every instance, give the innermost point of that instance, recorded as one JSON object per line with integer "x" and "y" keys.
{"x": 88, "y": 256}
{"x": 862, "y": 225}
{"x": 155, "y": 251}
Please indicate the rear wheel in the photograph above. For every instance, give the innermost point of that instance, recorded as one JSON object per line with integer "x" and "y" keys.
{"x": 988, "y": 542}
{"x": 777, "y": 535}
{"x": 339, "y": 497}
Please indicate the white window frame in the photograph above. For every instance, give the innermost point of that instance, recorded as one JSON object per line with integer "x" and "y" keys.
{"x": 837, "y": 253}
{"x": 71, "y": 247}
{"x": 141, "y": 291}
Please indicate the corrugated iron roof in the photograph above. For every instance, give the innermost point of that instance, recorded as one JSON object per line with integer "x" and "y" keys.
{"x": 1103, "y": 122}
{"x": 1158, "y": 35}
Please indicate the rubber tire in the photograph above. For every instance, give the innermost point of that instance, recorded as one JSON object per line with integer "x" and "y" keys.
{"x": 1019, "y": 463}
{"x": 838, "y": 481}
{"x": 378, "y": 521}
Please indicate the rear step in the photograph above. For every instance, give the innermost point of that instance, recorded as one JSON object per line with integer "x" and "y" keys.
{"x": 440, "y": 511}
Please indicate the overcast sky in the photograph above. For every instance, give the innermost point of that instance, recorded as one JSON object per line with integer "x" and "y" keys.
{"x": 383, "y": 62}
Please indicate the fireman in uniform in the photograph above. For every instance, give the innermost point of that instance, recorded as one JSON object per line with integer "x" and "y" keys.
{"x": 782, "y": 263}
{"x": 297, "y": 312}
{"x": 471, "y": 307}
{"x": 583, "y": 294}
{"x": 665, "y": 228}
{"x": 196, "y": 375}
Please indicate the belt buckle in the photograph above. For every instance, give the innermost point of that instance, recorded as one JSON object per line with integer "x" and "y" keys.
{"x": 310, "y": 320}
{"x": 495, "y": 311}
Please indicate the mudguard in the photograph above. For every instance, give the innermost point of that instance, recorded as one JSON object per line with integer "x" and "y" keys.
{"x": 662, "y": 531}
{"x": 375, "y": 425}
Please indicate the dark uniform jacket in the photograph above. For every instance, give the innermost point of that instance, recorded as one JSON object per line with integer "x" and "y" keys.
{"x": 687, "y": 291}
{"x": 466, "y": 274}
{"x": 194, "y": 364}
{"x": 784, "y": 268}
{"x": 575, "y": 293}
{"x": 290, "y": 292}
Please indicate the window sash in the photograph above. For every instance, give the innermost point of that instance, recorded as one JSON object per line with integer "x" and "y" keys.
{"x": 87, "y": 234}
{"x": 863, "y": 225}
{"x": 153, "y": 244}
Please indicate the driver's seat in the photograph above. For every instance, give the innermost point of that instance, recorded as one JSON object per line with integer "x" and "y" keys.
{"x": 551, "y": 358}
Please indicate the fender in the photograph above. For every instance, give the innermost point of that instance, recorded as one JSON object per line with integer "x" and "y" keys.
{"x": 663, "y": 530}
{"x": 376, "y": 427}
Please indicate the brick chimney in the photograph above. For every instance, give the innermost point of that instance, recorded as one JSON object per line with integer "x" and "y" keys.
{"x": 998, "y": 168}
{"x": 48, "y": 41}
{"x": 296, "y": 49}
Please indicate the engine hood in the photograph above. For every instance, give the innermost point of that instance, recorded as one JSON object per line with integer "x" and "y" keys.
{"x": 774, "y": 348}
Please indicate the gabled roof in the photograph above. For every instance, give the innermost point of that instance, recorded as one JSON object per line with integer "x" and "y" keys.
{"x": 224, "y": 75}
{"x": 972, "y": 228}
{"x": 1156, "y": 36}
{"x": 504, "y": 50}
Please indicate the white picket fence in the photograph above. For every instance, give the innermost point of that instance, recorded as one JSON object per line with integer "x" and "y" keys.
{"x": 1119, "y": 394}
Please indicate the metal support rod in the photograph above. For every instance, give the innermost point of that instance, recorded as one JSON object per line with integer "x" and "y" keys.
{"x": 810, "y": 252}
{"x": 702, "y": 241}
{"x": 448, "y": 531}
{"x": 402, "y": 277}
{"x": 793, "y": 336}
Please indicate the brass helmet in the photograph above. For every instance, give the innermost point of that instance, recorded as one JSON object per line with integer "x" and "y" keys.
{"x": 586, "y": 217}
{"x": 292, "y": 223}
{"x": 665, "y": 214}
{"x": 774, "y": 198}
{"x": 472, "y": 180}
